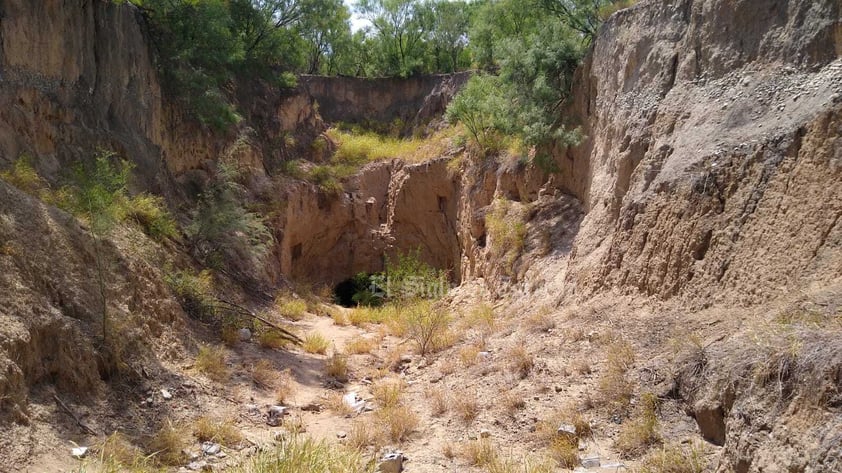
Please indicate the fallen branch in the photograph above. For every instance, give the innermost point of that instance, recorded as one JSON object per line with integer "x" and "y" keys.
{"x": 236, "y": 308}
{"x": 74, "y": 416}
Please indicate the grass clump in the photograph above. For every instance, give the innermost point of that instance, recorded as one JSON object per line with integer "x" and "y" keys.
{"x": 211, "y": 362}
{"x": 481, "y": 453}
{"x": 336, "y": 367}
{"x": 388, "y": 392}
{"x": 298, "y": 454}
{"x": 506, "y": 226}
{"x": 264, "y": 374}
{"x": 360, "y": 345}
{"x": 116, "y": 454}
{"x": 565, "y": 452}
{"x": 356, "y": 149}
{"x": 272, "y": 339}
{"x": 397, "y": 422}
{"x": 167, "y": 444}
{"x": 291, "y": 308}
{"x": 223, "y": 432}
{"x": 641, "y": 432}
{"x": 615, "y": 388}
{"x": 285, "y": 387}
{"x": 194, "y": 292}
{"x": 466, "y": 407}
{"x": 540, "y": 320}
{"x": 437, "y": 399}
{"x": 520, "y": 361}
{"x": 315, "y": 343}
{"x": 150, "y": 212}
{"x": 675, "y": 459}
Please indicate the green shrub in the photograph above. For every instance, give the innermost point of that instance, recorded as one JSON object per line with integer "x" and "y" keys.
{"x": 506, "y": 227}
{"x": 223, "y": 228}
{"x": 427, "y": 326}
{"x": 24, "y": 176}
{"x": 194, "y": 292}
{"x": 150, "y": 212}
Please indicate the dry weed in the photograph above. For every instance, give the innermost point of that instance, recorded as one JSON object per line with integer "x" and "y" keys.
{"x": 211, "y": 362}
{"x": 167, "y": 445}
{"x": 466, "y": 406}
{"x": 640, "y": 432}
{"x": 315, "y": 343}
{"x": 223, "y": 432}
{"x": 264, "y": 374}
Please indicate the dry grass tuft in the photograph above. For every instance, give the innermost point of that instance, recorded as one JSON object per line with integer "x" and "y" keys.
{"x": 675, "y": 459}
{"x": 285, "y": 387}
{"x": 299, "y": 454}
{"x": 272, "y": 339}
{"x": 468, "y": 355}
{"x": 116, "y": 454}
{"x": 480, "y": 453}
{"x": 362, "y": 435}
{"x": 168, "y": 444}
{"x": 211, "y": 362}
{"x": 437, "y": 399}
{"x": 547, "y": 429}
{"x": 520, "y": 361}
{"x": 541, "y": 320}
{"x": 315, "y": 343}
{"x": 338, "y": 316}
{"x": 397, "y": 422}
{"x": 336, "y": 367}
{"x": 614, "y": 387}
{"x": 264, "y": 374}
{"x": 291, "y": 308}
{"x": 511, "y": 402}
{"x": 466, "y": 406}
{"x": 565, "y": 452}
{"x": 641, "y": 432}
{"x": 388, "y": 392}
{"x": 360, "y": 345}
{"x": 230, "y": 335}
{"x": 223, "y": 432}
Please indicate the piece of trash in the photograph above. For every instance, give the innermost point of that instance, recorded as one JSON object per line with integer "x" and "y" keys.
{"x": 391, "y": 463}
{"x": 353, "y": 401}
{"x": 79, "y": 452}
{"x": 166, "y": 394}
{"x": 590, "y": 461}
{"x": 211, "y": 448}
{"x": 276, "y": 415}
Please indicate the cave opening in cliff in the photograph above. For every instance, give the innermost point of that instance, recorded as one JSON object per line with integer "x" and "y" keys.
{"x": 358, "y": 290}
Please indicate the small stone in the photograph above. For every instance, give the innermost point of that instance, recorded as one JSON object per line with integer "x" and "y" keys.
{"x": 484, "y": 433}
{"x": 391, "y": 463}
{"x": 590, "y": 461}
{"x": 79, "y": 452}
{"x": 166, "y": 394}
{"x": 211, "y": 448}
{"x": 406, "y": 358}
{"x": 149, "y": 401}
{"x": 244, "y": 334}
{"x": 567, "y": 430}
{"x": 312, "y": 407}
{"x": 197, "y": 465}
{"x": 341, "y": 434}
{"x": 222, "y": 455}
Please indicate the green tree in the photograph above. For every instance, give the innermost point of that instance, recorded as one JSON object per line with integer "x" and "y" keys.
{"x": 448, "y": 34}
{"x": 326, "y": 28}
{"x": 400, "y": 26}
{"x": 98, "y": 190}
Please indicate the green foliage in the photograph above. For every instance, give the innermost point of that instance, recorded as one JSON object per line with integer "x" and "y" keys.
{"x": 150, "y": 212}
{"x": 584, "y": 16}
{"x": 98, "y": 191}
{"x": 408, "y": 277}
{"x": 24, "y": 176}
{"x": 194, "y": 292}
{"x": 427, "y": 326}
{"x": 482, "y": 108}
{"x": 506, "y": 226}
{"x": 222, "y": 228}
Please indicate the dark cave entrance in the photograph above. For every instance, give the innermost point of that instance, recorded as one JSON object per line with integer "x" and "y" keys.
{"x": 358, "y": 290}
